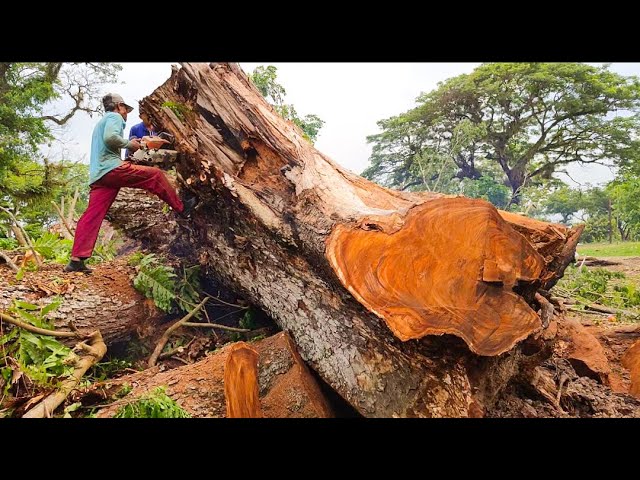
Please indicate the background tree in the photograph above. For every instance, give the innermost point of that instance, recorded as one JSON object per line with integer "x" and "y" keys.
{"x": 528, "y": 119}
{"x": 266, "y": 79}
{"x": 565, "y": 202}
{"x": 624, "y": 193}
{"x": 36, "y": 100}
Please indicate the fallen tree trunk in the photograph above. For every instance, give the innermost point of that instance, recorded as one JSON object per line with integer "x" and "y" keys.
{"x": 366, "y": 279}
{"x": 105, "y": 300}
{"x": 286, "y": 388}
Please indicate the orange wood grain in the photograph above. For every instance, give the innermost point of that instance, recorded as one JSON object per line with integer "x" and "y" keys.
{"x": 631, "y": 361}
{"x": 449, "y": 269}
{"x": 241, "y": 382}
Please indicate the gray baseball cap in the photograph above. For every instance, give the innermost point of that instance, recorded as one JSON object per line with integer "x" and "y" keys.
{"x": 115, "y": 99}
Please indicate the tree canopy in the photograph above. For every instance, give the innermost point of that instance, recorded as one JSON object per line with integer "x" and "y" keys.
{"x": 266, "y": 80}
{"x": 515, "y": 122}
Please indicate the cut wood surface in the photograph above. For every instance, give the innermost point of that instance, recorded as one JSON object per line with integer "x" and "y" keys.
{"x": 367, "y": 280}
{"x": 241, "y": 382}
{"x": 631, "y": 360}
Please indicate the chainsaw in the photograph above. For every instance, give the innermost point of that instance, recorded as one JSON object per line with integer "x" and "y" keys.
{"x": 155, "y": 151}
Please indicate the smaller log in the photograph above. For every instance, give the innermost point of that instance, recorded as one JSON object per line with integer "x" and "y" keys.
{"x": 286, "y": 387}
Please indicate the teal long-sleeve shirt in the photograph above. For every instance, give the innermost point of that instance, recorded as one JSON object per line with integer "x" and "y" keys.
{"x": 106, "y": 143}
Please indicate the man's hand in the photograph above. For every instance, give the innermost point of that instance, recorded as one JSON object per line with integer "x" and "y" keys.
{"x": 135, "y": 144}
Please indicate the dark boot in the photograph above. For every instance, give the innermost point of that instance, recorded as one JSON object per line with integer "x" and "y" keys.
{"x": 189, "y": 206}
{"x": 77, "y": 266}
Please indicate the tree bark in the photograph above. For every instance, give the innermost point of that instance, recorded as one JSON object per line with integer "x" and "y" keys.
{"x": 105, "y": 300}
{"x": 367, "y": 280}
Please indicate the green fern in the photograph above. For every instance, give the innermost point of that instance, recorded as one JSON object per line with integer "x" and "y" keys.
{"x": 169, "y": 292}
{"x": 135, "y": 259}
{"x": 157, "y": 283}
{"x": 155, "y": 404}
{"x": 187, "y": 290}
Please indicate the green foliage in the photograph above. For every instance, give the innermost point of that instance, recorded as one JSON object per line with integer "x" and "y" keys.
{"x": 51, "y": 246}
{"x": 135, "y": 258}
{"x": 593, "y": 206}
{"x": 527, "y": 119}
{"x": 42, "y": 358}
{"x": 624, "y": 193}
{"x": 488, "y": 189}
{"x": 109, "y": 369}
{"x": 601, "y": 286}
{"x": 70, "y": 409}
{"x": 160, "y": 283}
{"x": 156, "y": 281}
{"x": 616, "y": 249}
{"x": 565, "y": 202}
{"x": 124, "y": 391}
{"x": 8, "y": 244}
{"x": 596, "y": 229}
{"x": 155, "y": 404}
{"x": 178, "y": 109}
{"x": 265, "y": 79}
{"x": 104, "y": 252}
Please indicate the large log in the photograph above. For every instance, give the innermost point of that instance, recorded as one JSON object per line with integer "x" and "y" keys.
{"x": 367, "y": 280}
{"x": 105, "y": 300}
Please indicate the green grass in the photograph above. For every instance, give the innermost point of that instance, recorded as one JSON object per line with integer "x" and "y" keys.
{"x": 616, "y": 249}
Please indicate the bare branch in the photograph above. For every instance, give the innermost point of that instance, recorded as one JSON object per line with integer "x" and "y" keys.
{"x": 26, "y": 236}
{"x": 165, "y": 337}
{"x": 8, "y": 261}
{"x": 33, "y": 329}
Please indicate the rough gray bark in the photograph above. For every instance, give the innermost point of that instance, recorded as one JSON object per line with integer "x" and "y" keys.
{"x": 269, "y": 203}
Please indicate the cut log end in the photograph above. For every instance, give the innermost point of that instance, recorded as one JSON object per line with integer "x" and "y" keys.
{"x": 241, "y": 382}
{"x": 424, "y": 279}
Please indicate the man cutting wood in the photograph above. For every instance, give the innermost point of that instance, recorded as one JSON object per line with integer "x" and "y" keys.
{"x": 108, "y": 173}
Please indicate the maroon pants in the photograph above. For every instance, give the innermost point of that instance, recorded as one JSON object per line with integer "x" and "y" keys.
{"x": 104, "y": 191}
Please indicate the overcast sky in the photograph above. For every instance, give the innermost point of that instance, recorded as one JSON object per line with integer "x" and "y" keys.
{"x": 349, "y": 97}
